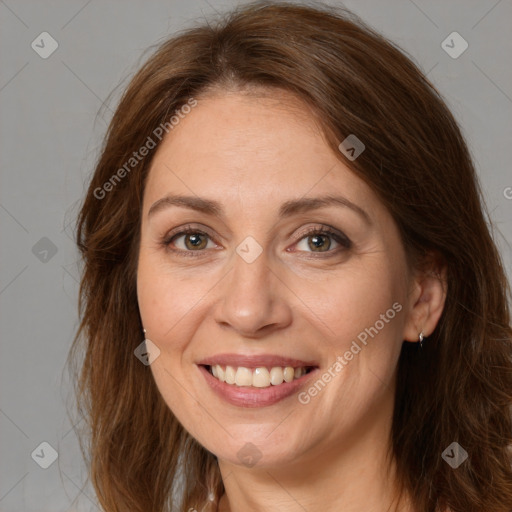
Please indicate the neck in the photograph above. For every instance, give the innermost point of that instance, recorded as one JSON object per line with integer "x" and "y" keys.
{"x": 358, "y": 475}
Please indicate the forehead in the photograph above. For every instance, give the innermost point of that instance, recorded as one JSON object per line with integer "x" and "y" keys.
{"x": 252, "y": 149}
{"x": 231, "y": 125}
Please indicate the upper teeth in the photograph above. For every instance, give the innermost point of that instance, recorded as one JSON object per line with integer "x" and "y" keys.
{"x": 259, "y": 377}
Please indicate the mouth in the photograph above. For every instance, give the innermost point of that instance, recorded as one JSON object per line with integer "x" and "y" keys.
{"x": 259, "y": 377}
{"x": 259, "y": 386}
{"x": 256, "y": 380}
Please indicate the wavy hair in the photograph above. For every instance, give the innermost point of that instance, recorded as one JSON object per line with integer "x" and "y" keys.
{"x": 458, "y": 388}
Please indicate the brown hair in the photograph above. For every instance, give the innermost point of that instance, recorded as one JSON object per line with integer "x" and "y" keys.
{"x": 458, "y": 388}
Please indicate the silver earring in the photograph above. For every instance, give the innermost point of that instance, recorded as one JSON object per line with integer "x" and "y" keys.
{"x": 421, "y": 337}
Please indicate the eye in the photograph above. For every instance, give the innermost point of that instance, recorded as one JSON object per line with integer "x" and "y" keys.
{"x": 194, "y": 240}
{"x": 320, "y": 240}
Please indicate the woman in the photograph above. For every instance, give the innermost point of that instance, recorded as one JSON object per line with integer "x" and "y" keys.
{"x": 286, "y": 211}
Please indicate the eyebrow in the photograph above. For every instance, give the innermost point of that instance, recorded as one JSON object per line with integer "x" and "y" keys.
{"x": 287, "y": 209}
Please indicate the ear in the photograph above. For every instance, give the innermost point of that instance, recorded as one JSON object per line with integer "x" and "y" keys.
{"x": 427, "y": 295}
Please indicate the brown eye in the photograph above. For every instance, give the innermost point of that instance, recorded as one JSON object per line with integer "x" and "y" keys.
{"x": 195, "y": 241}
{"x": 321, "y": 240}
{"x": 192, "y": 241}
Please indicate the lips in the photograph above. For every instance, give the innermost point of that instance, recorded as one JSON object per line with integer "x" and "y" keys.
{"x": 255, "y": 361}
{"x": 248, "y": 396}
{"x": 242, "y": 394}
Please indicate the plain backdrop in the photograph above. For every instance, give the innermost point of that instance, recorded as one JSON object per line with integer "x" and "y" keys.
{"x": 53, "y": 118}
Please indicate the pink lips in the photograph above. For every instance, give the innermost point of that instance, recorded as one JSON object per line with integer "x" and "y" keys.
{"x": 249, "y": 396}
{"x": 255, "y": 361}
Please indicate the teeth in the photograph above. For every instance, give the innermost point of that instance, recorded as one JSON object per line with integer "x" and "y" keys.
{"x": 259, "y": 377}
{"x": 288, "y": 374}
{"x": 229, "y": 375}
{"x": 276, "y": 376}
{"x": 243, "y": 377}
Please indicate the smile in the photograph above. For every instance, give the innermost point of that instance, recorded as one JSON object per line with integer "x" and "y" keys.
{"x": 261, "y": 377}
{"x": 243, "y": 393}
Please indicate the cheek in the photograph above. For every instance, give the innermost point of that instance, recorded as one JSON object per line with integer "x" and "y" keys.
{"x": 169, "y": 306}
{"x": 354, "y": 300}
{"x": 167, "y": 300}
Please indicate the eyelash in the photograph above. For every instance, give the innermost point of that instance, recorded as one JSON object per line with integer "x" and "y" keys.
{"x": 344, "y": 242}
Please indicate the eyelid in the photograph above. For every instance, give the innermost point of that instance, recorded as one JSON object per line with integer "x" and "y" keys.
{"x": 184, "y": 230}
{"x": 325, "y": 229}
{"x": 187, "y": 227}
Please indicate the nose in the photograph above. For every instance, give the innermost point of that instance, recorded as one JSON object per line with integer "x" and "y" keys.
{"x": 253, "y": 299}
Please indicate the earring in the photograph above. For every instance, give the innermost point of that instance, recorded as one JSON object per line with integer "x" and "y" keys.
{"x": 421, "y": 337}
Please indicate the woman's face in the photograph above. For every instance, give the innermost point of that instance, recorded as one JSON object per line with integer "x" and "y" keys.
{"x": 253, "y": 286}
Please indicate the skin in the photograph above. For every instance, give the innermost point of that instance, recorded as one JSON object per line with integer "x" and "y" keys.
{"x": 251, "y": 153}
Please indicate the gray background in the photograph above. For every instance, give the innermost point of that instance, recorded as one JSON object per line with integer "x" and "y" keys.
{"x": 51, "y": 130}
